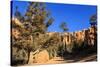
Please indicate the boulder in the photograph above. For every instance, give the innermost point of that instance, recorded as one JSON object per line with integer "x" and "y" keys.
{"x": 42, "y": 57}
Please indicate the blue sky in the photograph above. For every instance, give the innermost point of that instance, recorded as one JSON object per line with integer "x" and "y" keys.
{"x": 76, "y": 16}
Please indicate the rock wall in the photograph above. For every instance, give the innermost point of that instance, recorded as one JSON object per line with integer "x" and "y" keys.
{"x": 89, "y": 36}
{"x": 40, "y": 57}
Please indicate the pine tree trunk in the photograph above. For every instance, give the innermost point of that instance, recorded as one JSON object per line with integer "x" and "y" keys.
{"x": 28, "y": 57}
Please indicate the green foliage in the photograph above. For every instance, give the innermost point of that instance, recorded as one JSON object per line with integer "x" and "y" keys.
{"x": 63, "y": 26}
{"x": 53, "y": 45}
{"x": 93, "y": 18}
{"x": 49, "y": 22}
{"x": 36, "y": 15}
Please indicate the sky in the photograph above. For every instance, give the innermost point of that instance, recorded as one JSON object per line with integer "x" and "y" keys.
{"x": 76, "y": 16}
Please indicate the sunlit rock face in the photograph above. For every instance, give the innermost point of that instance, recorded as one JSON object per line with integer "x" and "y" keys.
{"x": 39, "y": 57}
{"x": 92, "y": 32}
{"x": 42, "y": 57}
{"x": 15, "y": 33}
{"x": 79, "y": 36}
{"x": 17, "y": 22}
{"x": 15, "y": 30}
{"x": 67, "y": 38}
{"x": 86, "y": 37}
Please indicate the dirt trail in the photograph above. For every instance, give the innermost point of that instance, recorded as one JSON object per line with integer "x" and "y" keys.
{"x": 89, "y": 58}
{"x": 56, "y": 60}
{"x": 75, "y": 59}
{"x": 59, "y": 60}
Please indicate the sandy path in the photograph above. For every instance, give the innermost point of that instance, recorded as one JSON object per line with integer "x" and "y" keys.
{"x": 59, "y": 60}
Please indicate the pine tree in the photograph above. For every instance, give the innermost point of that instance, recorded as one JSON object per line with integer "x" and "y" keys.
{"x": 35, "y": 23}
{"x": 63, "y": 26}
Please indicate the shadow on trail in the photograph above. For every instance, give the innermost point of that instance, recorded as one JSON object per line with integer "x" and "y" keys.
{"x": 85, "y": 54}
